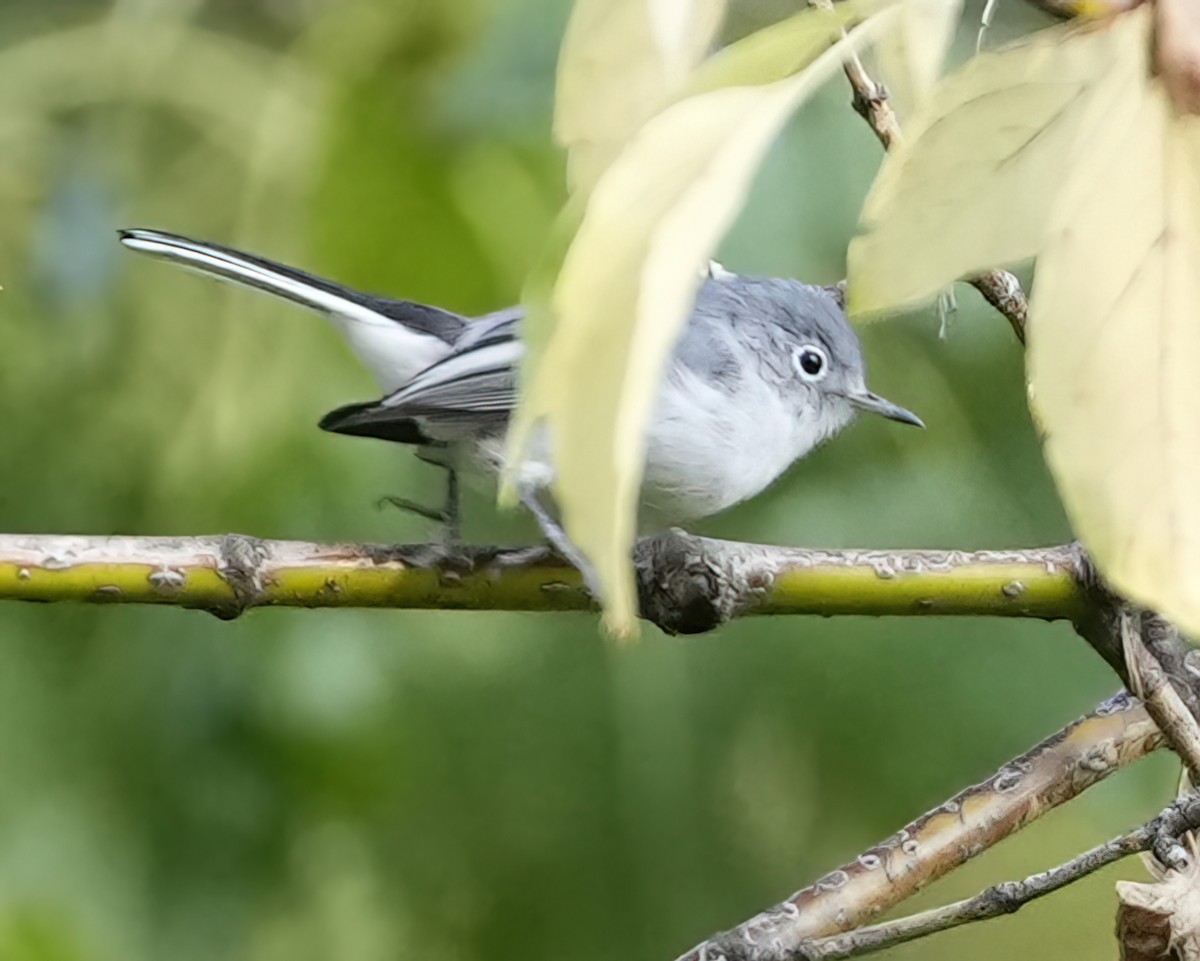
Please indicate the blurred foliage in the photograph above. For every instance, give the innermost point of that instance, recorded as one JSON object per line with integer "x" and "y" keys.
{"x": 375, "y": 785}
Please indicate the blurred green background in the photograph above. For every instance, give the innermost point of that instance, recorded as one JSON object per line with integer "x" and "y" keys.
{"x": 375, "y": 785}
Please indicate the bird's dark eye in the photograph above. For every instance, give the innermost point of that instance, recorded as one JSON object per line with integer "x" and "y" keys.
{"x": 810, "y": 362}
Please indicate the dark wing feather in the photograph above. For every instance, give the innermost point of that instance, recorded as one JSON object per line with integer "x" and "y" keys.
{"x": 365, "y": 420}
{"x": 473, "y": 389}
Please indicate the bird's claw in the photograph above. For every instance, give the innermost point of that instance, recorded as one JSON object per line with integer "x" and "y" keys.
{"x": 446, "y": 516}
{"x": 413, "y": 507}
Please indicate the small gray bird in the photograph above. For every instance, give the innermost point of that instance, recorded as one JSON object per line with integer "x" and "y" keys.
{"x": 764, "y": 371}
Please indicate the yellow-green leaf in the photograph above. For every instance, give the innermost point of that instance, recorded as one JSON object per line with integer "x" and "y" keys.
{"x": 774, "y": 52}
{"x": 621, "y": 62}
{"x": 1114, "y": 352}
{"x": 626, "y": 287}
{"x": 1068, "y": 148}
{"x": 982, "y": 163}
{"x": 912, "y": 53}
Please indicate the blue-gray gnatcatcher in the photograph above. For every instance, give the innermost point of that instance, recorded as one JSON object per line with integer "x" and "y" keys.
{"x": 764, "y": 371}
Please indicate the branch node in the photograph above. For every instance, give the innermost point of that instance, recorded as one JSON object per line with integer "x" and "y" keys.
{"x": 685, "y": 588}
{"x": 1170, "y": 853}
{"x": 1003, "y": 291}
{"x": 868, "y": 97}
{"x": 1101, "y": 620}
{"x": 239, "y": 559}
{"x": 1003, "y": 898}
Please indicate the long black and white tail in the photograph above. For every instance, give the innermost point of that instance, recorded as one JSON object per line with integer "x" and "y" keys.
{"x": 395, "y": 339}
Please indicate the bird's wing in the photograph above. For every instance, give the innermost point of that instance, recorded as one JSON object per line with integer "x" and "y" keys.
{"x": 481, "y": 377}
{"x": 298, "y": 286}
{"x": 473, "y": 386}
{"x": 500, "y": 325}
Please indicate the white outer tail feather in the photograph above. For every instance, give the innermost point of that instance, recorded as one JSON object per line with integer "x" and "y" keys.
{"x": 392, "y": 352}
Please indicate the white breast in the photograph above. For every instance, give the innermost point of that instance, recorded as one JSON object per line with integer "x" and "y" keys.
{"x": 707, "y": 451}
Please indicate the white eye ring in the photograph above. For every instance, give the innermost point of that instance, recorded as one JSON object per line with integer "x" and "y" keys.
{"x": 811, "y": 362}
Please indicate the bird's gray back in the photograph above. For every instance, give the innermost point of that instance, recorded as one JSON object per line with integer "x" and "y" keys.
{"x": 740, "y": 328}
{"x": 738, "y": 325}
{"x": 491, "y": 327}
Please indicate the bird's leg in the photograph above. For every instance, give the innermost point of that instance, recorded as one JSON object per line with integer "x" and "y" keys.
{"x": 560, "y": 542}
{"x": 413, "y": 507}
{"x": 451, "y": 511}
{"x": 449, "y": 515}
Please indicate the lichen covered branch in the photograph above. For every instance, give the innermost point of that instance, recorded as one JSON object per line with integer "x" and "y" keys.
{"x": 1149, "y": 677}
{"x": 1161, "y": 835}
{"x": 687, "y": 584}
{"x": 227, "y": 575}
{"x": 1058, "y": 769}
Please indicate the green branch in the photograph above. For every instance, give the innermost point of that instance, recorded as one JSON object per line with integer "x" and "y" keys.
{"x": 226, "y": 575}
{"x": 1016, "y": 584}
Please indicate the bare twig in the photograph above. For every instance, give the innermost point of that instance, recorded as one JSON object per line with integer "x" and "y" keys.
{"x": 1151, "y": 658}
{"x": 871, "y": 103}
{"x": 1052, "y": 773}
{"x": 1177, "y": 52}
{"x": 1003, "y": 291}
{"x": 687, "y": 584}
{"x": 1163, "y": 702}
{"x": 999, "y": 288}
{"x": 1161, "y": 835}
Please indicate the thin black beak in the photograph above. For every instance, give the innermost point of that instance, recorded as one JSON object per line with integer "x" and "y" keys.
{"x": 885, "y": 408}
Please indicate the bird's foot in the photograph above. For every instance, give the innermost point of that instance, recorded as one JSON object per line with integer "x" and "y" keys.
{"x": 561, "y": 543}
{"x": 446, "y": 516}
{"x": 434, "y": 514}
